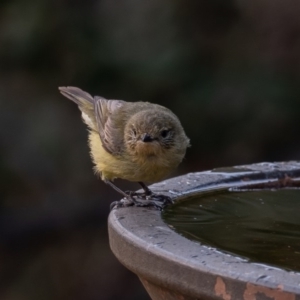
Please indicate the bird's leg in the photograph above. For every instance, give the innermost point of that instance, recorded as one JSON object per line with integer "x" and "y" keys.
{"x": 129, "y": 198}
{"x": 157, "y": 197}
{"x": 116, "y": 188}
{"x": 148, "y": 192}
{"x": 128, "y": 201}
{"x": 139, "y": 199}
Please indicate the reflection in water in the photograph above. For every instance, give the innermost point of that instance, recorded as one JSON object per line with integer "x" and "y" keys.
{"x": 263, "y": 225}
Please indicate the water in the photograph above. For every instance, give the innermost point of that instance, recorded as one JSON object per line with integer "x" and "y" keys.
{"x": 263, "y": 226}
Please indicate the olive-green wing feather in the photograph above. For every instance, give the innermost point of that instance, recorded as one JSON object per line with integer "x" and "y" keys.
{"x": 110, "y": 125}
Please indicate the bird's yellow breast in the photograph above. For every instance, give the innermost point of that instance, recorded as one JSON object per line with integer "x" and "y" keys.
{"x": 124, "y": 166}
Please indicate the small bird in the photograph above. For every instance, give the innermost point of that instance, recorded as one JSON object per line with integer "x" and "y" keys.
{"x": 135, "y": 141}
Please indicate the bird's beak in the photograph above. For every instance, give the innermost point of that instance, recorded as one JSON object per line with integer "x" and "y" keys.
{"x": 146, "y": 138}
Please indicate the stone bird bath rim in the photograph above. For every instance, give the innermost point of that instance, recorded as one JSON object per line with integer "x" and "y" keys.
{"x": 172, "y": 267}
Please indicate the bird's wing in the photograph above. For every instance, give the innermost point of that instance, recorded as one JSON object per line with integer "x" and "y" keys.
{"x": 110, "y": 127}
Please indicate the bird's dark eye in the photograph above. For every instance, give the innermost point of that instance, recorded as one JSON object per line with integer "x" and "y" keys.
{"x": 164, "y": 133}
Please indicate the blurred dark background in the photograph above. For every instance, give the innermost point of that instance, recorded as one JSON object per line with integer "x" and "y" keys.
{"x": 229, "y": 69}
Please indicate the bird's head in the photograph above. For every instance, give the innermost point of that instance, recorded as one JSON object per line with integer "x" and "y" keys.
{"x": 154, "y": 132}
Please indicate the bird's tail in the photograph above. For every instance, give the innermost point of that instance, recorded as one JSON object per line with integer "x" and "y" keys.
{"x": 84, "y": 101}
{"x": 77, "y": 95}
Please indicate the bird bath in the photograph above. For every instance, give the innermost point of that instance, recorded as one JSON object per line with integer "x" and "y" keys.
{"x": 172, "y": 266}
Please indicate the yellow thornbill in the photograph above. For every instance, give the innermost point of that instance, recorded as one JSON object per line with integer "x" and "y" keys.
{"x": 136, "y": 141}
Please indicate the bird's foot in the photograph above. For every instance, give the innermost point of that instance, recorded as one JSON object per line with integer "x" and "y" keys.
{"x": 157, "y": 201}
{"x": 143, "y": 200}
{"x": 163, "y": 200}
{"x": 125, "y": 202}
{"x": 142, "y": 195}
{"x": 166, "y": 200}
{"x": 150, "y": 195}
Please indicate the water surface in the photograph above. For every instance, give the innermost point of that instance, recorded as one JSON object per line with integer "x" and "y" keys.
{"x": 263, "y": 226}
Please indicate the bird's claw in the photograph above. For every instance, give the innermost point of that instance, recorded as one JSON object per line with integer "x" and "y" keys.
{"x": 137, "y": 194}
{"x": 125, "y": 202}
{"x": 160, "y": 198}
{"x": 142, "y": 200}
